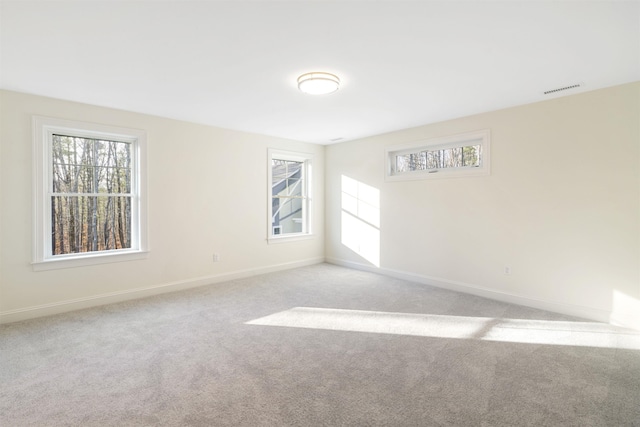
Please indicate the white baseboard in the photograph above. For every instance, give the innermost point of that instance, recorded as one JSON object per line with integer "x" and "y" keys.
{"x": 112, "y": 297}
{"x": 567, "y": 309}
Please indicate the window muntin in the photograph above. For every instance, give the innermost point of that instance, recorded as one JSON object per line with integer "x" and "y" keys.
{"x": 465, "y": 154}
{"x": 91, "y": 195}
{"x": 289, "y": 188}
{"x": 452, "y": 157}
{"x": 87, "y": 193}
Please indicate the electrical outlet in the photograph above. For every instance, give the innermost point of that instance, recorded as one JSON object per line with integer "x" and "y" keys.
{"x": 507, "y": 270}
{"x": 216, "y": 257}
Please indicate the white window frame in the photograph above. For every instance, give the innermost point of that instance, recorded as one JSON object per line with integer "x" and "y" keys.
{"x": 480, "y": 137}
{"x": 307, "y": 193}
{"x": 43, "y": 130}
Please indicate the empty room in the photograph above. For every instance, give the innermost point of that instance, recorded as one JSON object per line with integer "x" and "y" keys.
{"x": 319, "y": 213}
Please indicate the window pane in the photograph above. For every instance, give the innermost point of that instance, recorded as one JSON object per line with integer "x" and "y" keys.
{"x": 113, "y": 180}
{"x": 119, "y": 154}
{"x": 289, "y": 194}
{"x": 89, "y": 224}
{"x": 88, "y": 179}
{"x": 418, "y": 161}
{"x": 432, "y": 161}
{"x": 402, "y": 163}
{"x": 294, "y": 187}
{"x": 286, "y": 178}
{"x": 114, "y": 167}
{"x": 278, "y": 170}
{"x": 454, "y": 157}
{"x": 65, "y": 178}
{"x": 293, "y": 167}
{"x": 85, "y": 165}
{"x": 67, "y": 150}
{"x": 461, "y": 155}
{"x": 472, "y": 155}
{"x": 287, "y": 215}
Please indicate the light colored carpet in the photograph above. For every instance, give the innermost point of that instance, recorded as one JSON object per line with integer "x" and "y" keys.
{"x": 317, "y": 346}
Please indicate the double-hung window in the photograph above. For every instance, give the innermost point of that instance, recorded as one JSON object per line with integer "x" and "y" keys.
{"x": 88, "y": 191}
{"x": 289, "y": 195}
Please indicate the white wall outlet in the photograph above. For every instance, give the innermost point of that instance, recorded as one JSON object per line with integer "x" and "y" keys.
{"x": 216, "y": 257}
{"x": 507, "y": 270}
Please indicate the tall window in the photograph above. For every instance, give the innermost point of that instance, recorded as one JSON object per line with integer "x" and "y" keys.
{"x": 289, "y": 189}
{"x": 88, "y": 192}
{"x": 456, "y": 155}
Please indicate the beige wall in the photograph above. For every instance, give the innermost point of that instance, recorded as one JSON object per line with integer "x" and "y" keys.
{"x": 207, "y": 190}
{"x": 560, "y": 208}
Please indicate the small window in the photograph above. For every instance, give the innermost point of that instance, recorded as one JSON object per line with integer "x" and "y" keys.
{"x": 289, "y": 190}
{"x": 88, "y": 187}
{"x": 457, "y": 155}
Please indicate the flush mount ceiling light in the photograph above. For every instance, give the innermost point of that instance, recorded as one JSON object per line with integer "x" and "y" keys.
{"x": 318, "y": 83}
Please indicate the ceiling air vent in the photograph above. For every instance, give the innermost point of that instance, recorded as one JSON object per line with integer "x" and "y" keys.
{"x": 560, "y": 89}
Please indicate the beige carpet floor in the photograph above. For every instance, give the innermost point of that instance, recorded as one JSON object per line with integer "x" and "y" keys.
{"x": 317, "y": 346}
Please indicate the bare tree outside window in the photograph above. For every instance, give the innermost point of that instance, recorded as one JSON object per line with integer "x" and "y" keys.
{"x": 454, "y": 157}
{"x": 461, "y": 155}
{"x": 91, "y": 195}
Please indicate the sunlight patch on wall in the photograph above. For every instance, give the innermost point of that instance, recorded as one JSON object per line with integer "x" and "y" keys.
{"x": 582, "y": 334}
{"x": 360, "y": 220}
{"x": 626, "y": 310}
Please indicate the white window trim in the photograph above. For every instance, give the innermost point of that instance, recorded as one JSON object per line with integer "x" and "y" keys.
{"x": 43, "y": 129}
{"x": 307, "y": 158}
{"x": 483, "y": 136}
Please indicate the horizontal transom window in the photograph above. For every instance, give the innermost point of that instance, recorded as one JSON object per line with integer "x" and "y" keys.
{"x": 464, "y": 154}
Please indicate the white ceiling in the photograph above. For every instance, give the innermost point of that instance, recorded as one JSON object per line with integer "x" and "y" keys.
{"x": 234, "y": 64}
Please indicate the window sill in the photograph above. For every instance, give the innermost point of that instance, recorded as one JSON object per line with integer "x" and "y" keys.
{"x": 291, "y": 238}
{"x": 86, "y": 260}
{"x": 454, "y": 173}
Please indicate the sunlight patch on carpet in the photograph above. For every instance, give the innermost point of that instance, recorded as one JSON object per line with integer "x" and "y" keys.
{"x": 583, "y": 334}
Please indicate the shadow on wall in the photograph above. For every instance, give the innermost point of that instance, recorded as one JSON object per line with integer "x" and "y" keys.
{"x": 361, "y": 219}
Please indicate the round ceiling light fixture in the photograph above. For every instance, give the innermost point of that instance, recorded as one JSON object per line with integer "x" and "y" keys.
{"x": 318, "y": 83}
